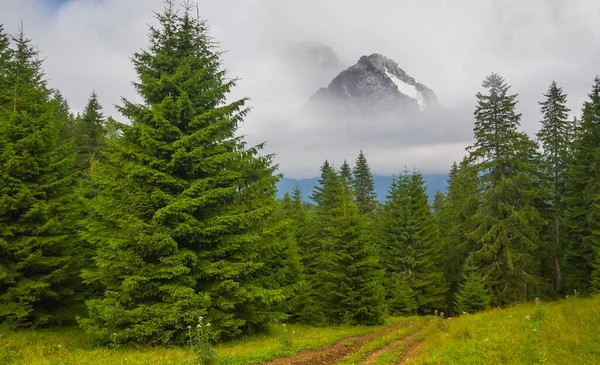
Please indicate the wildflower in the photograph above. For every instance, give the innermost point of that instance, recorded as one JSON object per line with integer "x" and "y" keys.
{"x": 284, "y": 325}
{"x": 199, "y": 325}
{"x": 208, "y": 325}
{"x": 114, "y": 334}
{"x": 189, "y": 327}
{"x": 200, "y": 318}
{"x": 527, "y": 318}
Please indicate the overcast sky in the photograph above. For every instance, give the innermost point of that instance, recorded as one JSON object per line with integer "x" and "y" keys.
{"x": 450, "y": 46}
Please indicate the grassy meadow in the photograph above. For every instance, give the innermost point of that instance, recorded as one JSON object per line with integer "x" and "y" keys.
{"x": 71, "y": 346}
{"x": 562, "y": 332}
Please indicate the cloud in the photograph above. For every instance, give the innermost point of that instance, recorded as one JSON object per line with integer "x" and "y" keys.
{"x": 448, "y": 46}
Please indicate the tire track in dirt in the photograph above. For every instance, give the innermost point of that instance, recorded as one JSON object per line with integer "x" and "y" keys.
{"x": 408, "y": 350}
{"x": 335, "y": 353}
{"x": 411, "y": 350}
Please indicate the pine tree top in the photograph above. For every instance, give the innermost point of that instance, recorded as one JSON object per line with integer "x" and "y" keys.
{"x": 496, "y": 120}
{"x": 346, "y": 173}
{"x": 364, "y": 185}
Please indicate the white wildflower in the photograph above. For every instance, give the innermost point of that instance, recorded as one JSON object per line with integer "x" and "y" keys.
{"x": 527, "y": 318}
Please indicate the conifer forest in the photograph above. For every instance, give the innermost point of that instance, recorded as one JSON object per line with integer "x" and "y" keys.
{"x": 137, "y": 229}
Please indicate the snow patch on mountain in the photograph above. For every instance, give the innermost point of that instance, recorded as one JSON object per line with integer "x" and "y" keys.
{"x": 407, "y": 89}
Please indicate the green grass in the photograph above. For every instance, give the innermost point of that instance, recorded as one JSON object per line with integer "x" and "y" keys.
{"x": 71, "y": 346}
{"x": 382, "y": 341}
{"x": 562, "y": 332}
{"x": 389, "y": 357}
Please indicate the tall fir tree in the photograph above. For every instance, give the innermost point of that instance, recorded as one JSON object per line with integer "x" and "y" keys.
{"x": 556, "y": 138}
{"x": 393, "y": 250}
{"x": 5, "y": 58}
{"x": 36, "y": 180}
{"x": 284, "y": 269}
{"x": 346, "y": 175}
{"x": 582, "y": 199}
{"x": 299, "y": 216}
{"x": 326, "y": 170}
{"x": 180, "y": 227}
{"x": 91, "y": 133}
{"x": 345, "y": 278}
{"x": 364, "y": 186}
{"x": 412, "y": 249}
{"x": 455, "y": 219}
{"x": 507, "y": 224}
{"x": 63, "y": 112}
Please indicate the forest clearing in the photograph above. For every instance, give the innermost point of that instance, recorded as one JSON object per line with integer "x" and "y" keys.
{"x": 155, "y": 235}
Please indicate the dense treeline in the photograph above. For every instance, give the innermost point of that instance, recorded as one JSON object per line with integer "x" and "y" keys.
{"x": 135, "y": 230}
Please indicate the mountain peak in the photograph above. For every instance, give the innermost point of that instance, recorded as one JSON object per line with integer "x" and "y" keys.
{"x": 377, "y": 82}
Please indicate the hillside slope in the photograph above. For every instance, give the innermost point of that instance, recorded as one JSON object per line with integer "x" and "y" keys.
{"x": 562, "y": 332}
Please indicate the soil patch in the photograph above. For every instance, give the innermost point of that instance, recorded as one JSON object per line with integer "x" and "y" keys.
{"x": 409, "y": 348}
{"x": 335, "y": 353}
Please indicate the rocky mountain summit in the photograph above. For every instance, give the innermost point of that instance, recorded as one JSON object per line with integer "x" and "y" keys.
{"x": 375, "y": 84}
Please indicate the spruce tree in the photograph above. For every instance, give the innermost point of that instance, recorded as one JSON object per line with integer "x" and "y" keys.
{"x": 284, "y": 269}
{"x": 556, "y": 137}
{"x": 582, "y": 199}
{"x": 63, "y": 112}
{"x": 36, "y": 201}
{"x": 298, "y": 212}
{"x": 300, "y": 221}
{"x": 180, "y": 228}
{"x": 411, "y": 249}
{"x": 326, "y": 169}
{"x": 455, "y": 219}
{"x": 91, "y": 133}
{"x": 506, "y": 224}
{"x": 346, "y": 175}
{"x": 364, "y": 186}
{"x": 472, "y": 296}
{"x": 299, "y": 215}
{"x": 345, "y": 279}
{"x": 5, "y": 58}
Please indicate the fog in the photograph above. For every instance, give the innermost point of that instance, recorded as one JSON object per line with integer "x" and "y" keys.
{"x": 448, "y": 46}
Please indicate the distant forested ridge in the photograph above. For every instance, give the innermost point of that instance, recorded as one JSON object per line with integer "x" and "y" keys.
{"x": 433, "y": 183}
